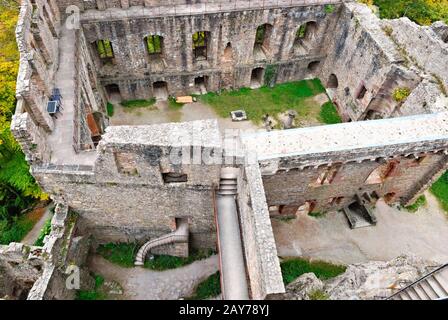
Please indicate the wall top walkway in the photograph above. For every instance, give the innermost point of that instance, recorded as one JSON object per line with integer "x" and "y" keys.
{"x": 413, "y": 131}
{"x": 168, "y": 9}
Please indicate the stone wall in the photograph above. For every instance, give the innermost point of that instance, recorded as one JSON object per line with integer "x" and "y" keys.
{"x": 383, "y": 56}
{"x": 64, "y": 252}
{"x": 263, "y": 267}
{"x": 231, "y": 56}
{"x": 323, "y": 169}
{"x": 19, "y": 270}
{"x": 124, "y": 197}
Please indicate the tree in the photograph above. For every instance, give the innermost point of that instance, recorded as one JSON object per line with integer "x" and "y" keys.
{"x": 17, "y": 187}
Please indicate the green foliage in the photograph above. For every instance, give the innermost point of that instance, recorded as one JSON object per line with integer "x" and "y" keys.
{"x": 122, "y": 254}
{"x": 329, "y": 114}
{"x": 421, "y": 201}
{"x": 301, "y": 32}
{"x": 318, "y": 295}
{"x": 199, "y": 39}
{"x": 423, "y": 12}
{"x": 141, "y": 103}
{"x": 110, "y": 109}
{"x": 154, "y": 44}
{"x": 270, "y": 74}
{"x": 18, "y": 189}
{"x": 209, "y": 288}
{"x": 319, "y": 214}
{"x": 400, "y": 94}
{"x": 164, "y": 262}
{"x": 96, "y": 293}
{"x": 43, "y": 233}
{"x": 329, "y": 8}
{"x": 14, "y": 230}
{"x": 440, "y": 190}
{"x": 286, "y": 96}
{"x": 104, "y": 48}
{"x": 294, "y": 268}
{"x": 172, "y": 104}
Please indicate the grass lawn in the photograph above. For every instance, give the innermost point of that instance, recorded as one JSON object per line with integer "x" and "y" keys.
{"x": 421, "y": 201}
{"x": 440, "y": 190}
{"x": 138, "y": 103}
{"x": 273, "y": 101}
{"x": 329, "y": 114}
{"x": 173, "y": 105}
{"x": 123, "y": 254}
{"x": 295, "y": 267}
{"x": 96, "y": 293}
{"x": 210, "y": 287}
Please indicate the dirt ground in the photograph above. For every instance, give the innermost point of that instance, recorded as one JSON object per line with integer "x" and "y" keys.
{"x": 145, "y": 284}
{"x": 163, "y": 114}
{"x": 424, "y": 233}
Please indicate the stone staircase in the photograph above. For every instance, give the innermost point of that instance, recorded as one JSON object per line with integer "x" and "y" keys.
{"x": 227, "y": 184}
{"x": 433, "y": 286}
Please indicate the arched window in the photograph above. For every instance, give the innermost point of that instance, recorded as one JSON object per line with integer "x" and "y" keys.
{"x": 305, "y": 32}
{"x": 262, "y": 36}
{"x": 333, "y": 82}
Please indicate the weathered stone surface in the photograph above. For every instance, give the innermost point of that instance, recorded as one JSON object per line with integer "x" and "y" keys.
{"x": 366, "y": 281}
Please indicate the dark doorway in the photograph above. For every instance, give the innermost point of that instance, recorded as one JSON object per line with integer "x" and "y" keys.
{"x": 160, "y": 90}
{"x": 256, "y": 80}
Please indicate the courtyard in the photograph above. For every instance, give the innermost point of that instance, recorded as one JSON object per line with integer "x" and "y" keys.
{"x": 398, "y": 231}
{"x": 307, "y": 98}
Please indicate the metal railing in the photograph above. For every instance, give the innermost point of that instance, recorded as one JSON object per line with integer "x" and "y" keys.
{"x": 420, "y": 280}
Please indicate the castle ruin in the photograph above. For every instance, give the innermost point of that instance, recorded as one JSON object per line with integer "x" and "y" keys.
{"x": 122, "y": 180}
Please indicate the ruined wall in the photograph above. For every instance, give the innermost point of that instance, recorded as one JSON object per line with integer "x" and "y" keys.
{"x": 18, "y": 271}
{"x": 37, "y": 31}
{"x": 135, "y": 71}
{"x": 262, "y": 264}
{"x": 124, "y": 197}
{"x": 368, "y": 59}
{"x": 367, "y": 66}
{"x": 327, "y": 166}
{"x": 64, "y": 254}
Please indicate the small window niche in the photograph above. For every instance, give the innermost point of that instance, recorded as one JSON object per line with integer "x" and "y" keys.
{"x": 174, "y": 177}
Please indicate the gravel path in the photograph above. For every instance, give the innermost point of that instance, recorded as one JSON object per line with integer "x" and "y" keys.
{"x": 32, "y": 236}
{"x": 424, "y": 233}
{"x": 144, "y": 284}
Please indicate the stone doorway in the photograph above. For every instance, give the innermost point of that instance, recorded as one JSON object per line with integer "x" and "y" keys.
{"x": 200, "y": 84}
{"x": 113, "y": 92}
{"x": 256, "y": 80}
{"x": 160, "y": 90}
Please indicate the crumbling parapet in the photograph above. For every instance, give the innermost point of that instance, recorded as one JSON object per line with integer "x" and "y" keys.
{"x": 64, "y": 254}
{"x": 19, "y": 270}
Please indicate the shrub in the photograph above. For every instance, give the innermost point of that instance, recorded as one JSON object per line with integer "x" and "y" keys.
{"x": 110, "y": 109}
{"x": 122, "y": 254}
{"x": 421, "y": 201}
{"x": 43, "y": 233}
{"x": 210, "y": 287}
{"x": 165, "y": 262}
{"x": 294, "y": 268}
{"x": 400, "y": 94}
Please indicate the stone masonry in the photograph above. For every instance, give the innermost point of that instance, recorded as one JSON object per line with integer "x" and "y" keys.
{"x": 133, "y": 183}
